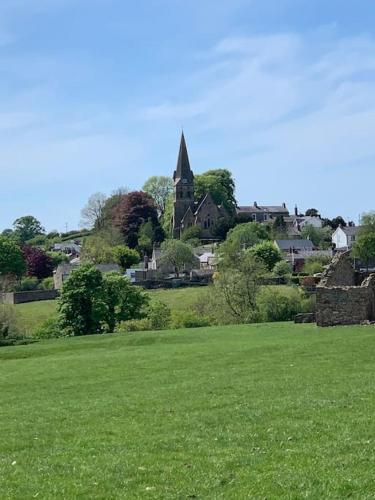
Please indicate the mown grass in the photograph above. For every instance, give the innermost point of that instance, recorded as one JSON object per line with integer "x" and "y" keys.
{"x": 32, "y": 314}
{"x": 258, "y": 411}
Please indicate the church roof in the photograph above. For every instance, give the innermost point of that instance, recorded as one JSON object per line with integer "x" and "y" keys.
{"x": 183, "y": 170}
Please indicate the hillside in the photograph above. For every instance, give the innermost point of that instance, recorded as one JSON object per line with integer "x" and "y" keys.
{"x": 260, "y": 411}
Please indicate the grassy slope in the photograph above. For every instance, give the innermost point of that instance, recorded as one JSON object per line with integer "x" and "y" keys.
{"x": 34, "y": 313}
{"x": 260, "y": 411}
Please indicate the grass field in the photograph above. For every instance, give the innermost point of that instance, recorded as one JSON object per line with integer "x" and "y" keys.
{"x": 32, "y": 314}
{"x": 259, "y": 411}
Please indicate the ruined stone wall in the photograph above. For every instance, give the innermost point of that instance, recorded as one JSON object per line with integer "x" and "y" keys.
{"x": 342, "y": 305}
{"x": 340, "y": 272}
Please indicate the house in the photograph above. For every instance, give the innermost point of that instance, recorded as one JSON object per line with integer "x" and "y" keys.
{"x": 262, "y": 213}
{"x": 297, "y": 251}
{"x": 207, "y": 260}
{"x": 63, "y": 271}
{"x": 68, "y": 247}
{"x": 295, "y": 223}
{"x": 294, "y": 246}
{"x": 186, "y": 211}
{"x": 344, "y": 237}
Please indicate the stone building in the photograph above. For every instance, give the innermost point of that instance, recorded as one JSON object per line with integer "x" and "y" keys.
{"x": 186, "y": 211}
{"x": 343, "y": 297}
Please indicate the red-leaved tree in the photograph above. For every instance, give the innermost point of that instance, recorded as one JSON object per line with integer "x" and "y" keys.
{"x": 133, "y": 210}
{"x": 38, "y": 263}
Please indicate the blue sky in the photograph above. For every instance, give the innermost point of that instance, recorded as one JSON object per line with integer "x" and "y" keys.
{"x": 94, "y": 93}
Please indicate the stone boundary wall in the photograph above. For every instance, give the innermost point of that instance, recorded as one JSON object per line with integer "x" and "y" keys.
{"x": 31, "y": 296}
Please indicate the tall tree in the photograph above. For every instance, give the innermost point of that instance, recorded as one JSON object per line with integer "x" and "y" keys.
{"x": 92, "y": 212}
{"x": 12, "y": 262}
{"x": 135, "y": 209}
{"x": 312, "y": 212}
{"x": 160, "y": 188}
{"x": 240, "y": 238}
{"x": 27, "y": 227}
{"x": 368, "y": 223}
{"x": 176, "y": 254}
{"x": 220, "y": 184}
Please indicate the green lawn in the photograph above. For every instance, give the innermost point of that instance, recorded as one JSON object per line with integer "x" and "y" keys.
{"x": 260, "y": 411}
{"x": 32, "y": 314}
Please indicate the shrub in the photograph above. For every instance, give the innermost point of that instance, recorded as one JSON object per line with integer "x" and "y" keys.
{"x": 8, "y": 322}
{"x": 27, "y": 284}
{"x": 50, "y": 329}
{"x": 159, "y": 316}
{"x": 134, "y": 325}
{"x": 314, "y": 265}
{"x": 279, "y": 303}
{"x": 47, "y": 284}
{"x": 188, "y": 319}
{"x": 192, "y": 235}
{"x": 282, "y": 269}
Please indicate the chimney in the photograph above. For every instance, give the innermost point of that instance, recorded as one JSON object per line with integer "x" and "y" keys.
{"x": 296, "y": 211}
{"x": 255, "y": 204}
{"x": 284, "y": 205}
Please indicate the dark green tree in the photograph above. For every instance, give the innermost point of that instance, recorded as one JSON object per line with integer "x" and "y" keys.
{"x": 27, "y": 227}
{"x": 220, "y": 184}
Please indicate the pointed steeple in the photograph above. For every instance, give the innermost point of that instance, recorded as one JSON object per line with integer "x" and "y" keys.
{"x": 183, "y": 170}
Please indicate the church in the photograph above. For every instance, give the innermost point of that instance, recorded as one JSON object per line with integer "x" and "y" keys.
{"x": 187, "y": 212}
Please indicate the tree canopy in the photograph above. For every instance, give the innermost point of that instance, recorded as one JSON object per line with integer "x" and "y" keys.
{"x": 240, "y": 238}
{"x": 160, "y": 188}
{"x": 92, "y": 212}
{"x": 176, "y": 254}
{"x": 26, "y": 228}
{"x": 12, "y": 261}
{"x": 220, "y": 184}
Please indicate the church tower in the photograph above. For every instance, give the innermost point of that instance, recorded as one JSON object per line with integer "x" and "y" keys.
{"x": 183, "y": 178}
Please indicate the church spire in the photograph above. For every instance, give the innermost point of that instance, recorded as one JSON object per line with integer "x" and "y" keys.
{"x": 183, "y": 170}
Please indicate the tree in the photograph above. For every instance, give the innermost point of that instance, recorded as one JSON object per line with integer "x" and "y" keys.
{"x": 96, "y": 250}
{"x": 314, "y": 265}
{"x": 368, "y": 223}
{"x": 337, "y": 221}
{"x": 166, "y": 218}
{"x": 145, "y": 238}
{"x": 220, "y": 184}
{"x": 192, "y": 235}
{"x": 312, "y": 212}
{"x": 267, "y": 253}
{"x": 176, "y": 254}
{"x": 282, "y": 269}
{"x": 364, "y": 248}
{"x": 12, "y": 262}
{"x": 320, "y": 237}
{"x": 125, "y": 257}
{"x": 82, "y": 307}
{"x": 92, "y": 212}
{"x": 124, "y": 301}
{"x": 160, "y": 188}
{"x": 222, "y": 227}
{"x": 279, "y": 227}
{"x": 27, "y": 227}
{"x": 240, "y": 238}
{"x": 38, "y": 263}
{"x": 135, "y": 209}
{"x": 237, "y": 287}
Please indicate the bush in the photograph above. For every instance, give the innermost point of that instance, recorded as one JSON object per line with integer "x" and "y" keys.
{"x": 188, "y": 319}
{"x": 47, "y": 284}
{"x": 8, "y": 322}
{"x": 50, "y": 329}
{"x": 27, "y": 284}
{"x": 282, "y": 269}
{"x": 159, "y": 316}
{"x": 279, "y": 304}
{"x": 134, "y": 325}
{"x": 314, "y": 265}
{"x": 267, "y": 253}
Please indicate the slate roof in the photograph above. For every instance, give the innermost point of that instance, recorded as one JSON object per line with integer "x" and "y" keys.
{"x": 351, "y": 230}
{"x": 296, "y": 244}
{"x": 263, "y": 208}
{"x": 183, "y": 170}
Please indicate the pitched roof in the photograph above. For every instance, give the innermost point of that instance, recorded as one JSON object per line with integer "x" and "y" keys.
{"x": 351, "y": 230}
{"x": 183, "y": 170}
{"x": 263, "y": 208}
{"x": 296, "y": 244}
